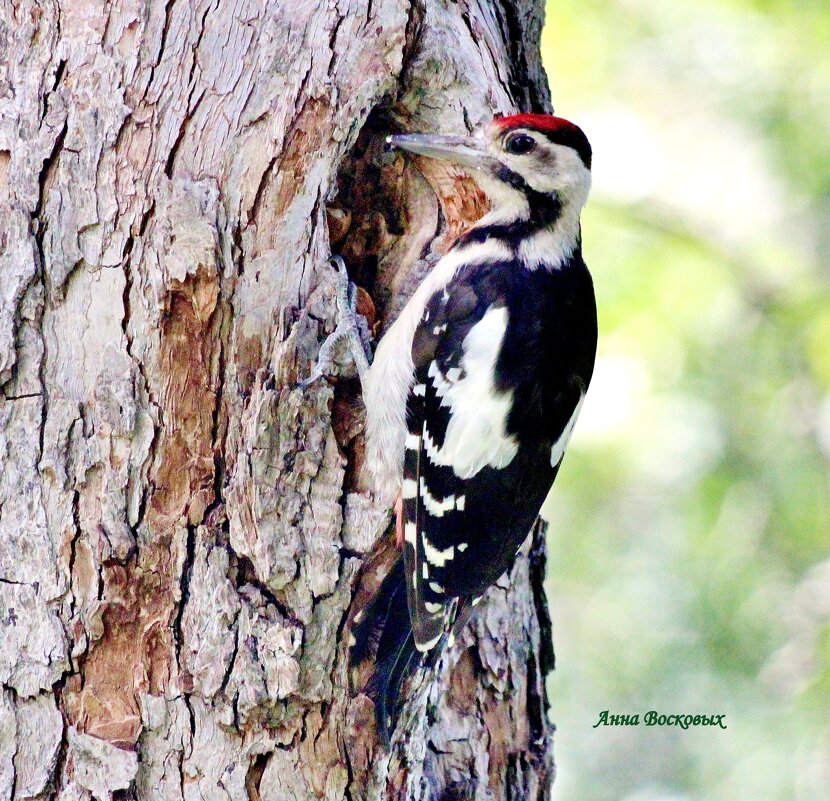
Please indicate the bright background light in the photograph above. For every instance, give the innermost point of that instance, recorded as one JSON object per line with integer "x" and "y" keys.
{"x": 690, "y": 541}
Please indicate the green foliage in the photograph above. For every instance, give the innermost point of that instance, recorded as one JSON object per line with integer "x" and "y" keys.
{"x": 690, "y": 539}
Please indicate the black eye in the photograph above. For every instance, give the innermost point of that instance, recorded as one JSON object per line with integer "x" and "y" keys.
{"x": 520, "y": 144}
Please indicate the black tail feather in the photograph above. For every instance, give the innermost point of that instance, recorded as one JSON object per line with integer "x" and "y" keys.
{"x": 385, "y": 687}
{"x": 385, "y": 630}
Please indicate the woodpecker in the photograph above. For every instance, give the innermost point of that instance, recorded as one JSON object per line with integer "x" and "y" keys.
{"x": 475, "y": 389}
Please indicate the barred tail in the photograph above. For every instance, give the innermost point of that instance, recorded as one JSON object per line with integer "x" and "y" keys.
{"x": 384, "y": 630}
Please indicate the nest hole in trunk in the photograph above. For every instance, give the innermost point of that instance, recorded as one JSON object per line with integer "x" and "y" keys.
{"x": 391, "y": 219}
{"x": 383, "y": 220}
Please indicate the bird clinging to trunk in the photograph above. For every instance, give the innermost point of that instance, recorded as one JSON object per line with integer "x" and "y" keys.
{"x": 475, "y": 388}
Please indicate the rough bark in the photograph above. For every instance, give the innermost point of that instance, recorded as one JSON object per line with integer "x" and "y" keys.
{"x": 184, "y": 532}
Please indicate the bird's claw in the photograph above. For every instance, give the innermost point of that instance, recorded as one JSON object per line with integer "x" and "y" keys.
{"x": 348, "y": 329}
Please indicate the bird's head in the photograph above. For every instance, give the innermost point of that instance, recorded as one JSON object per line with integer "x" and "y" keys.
{"x": 516, "y": 160}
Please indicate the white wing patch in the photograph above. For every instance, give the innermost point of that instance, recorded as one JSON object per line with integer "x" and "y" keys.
{"x": 476, "y": 434}
{"x": 558, "y": 449}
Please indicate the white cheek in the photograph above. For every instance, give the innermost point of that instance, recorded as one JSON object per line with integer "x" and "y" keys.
{"x": 568, "y": 176}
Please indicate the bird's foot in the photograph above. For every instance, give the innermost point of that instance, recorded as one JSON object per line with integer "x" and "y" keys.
{"x": 348, "y": 344}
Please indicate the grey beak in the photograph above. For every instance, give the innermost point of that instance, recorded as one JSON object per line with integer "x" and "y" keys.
{"x": 462, "y": 150}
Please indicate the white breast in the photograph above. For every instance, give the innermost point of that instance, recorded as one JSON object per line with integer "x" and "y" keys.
{"x": 391, "y": 375}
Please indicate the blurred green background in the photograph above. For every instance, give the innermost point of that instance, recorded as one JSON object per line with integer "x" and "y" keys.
{"x": 689, "y": 568}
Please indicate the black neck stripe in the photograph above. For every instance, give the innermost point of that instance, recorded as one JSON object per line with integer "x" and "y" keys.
{"x": 544, "y": 210}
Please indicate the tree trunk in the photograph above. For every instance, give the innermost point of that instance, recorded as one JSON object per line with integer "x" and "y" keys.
{"x": 185, "y": 533}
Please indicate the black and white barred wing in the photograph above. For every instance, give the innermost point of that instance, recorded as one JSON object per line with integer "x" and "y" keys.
{"x": 502, "y": 362}
{"x": 456, "y": 423}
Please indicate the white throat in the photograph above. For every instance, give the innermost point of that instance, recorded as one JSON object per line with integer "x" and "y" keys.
{"x": 550, "y": 246}
{"x": 554, "y": 245}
